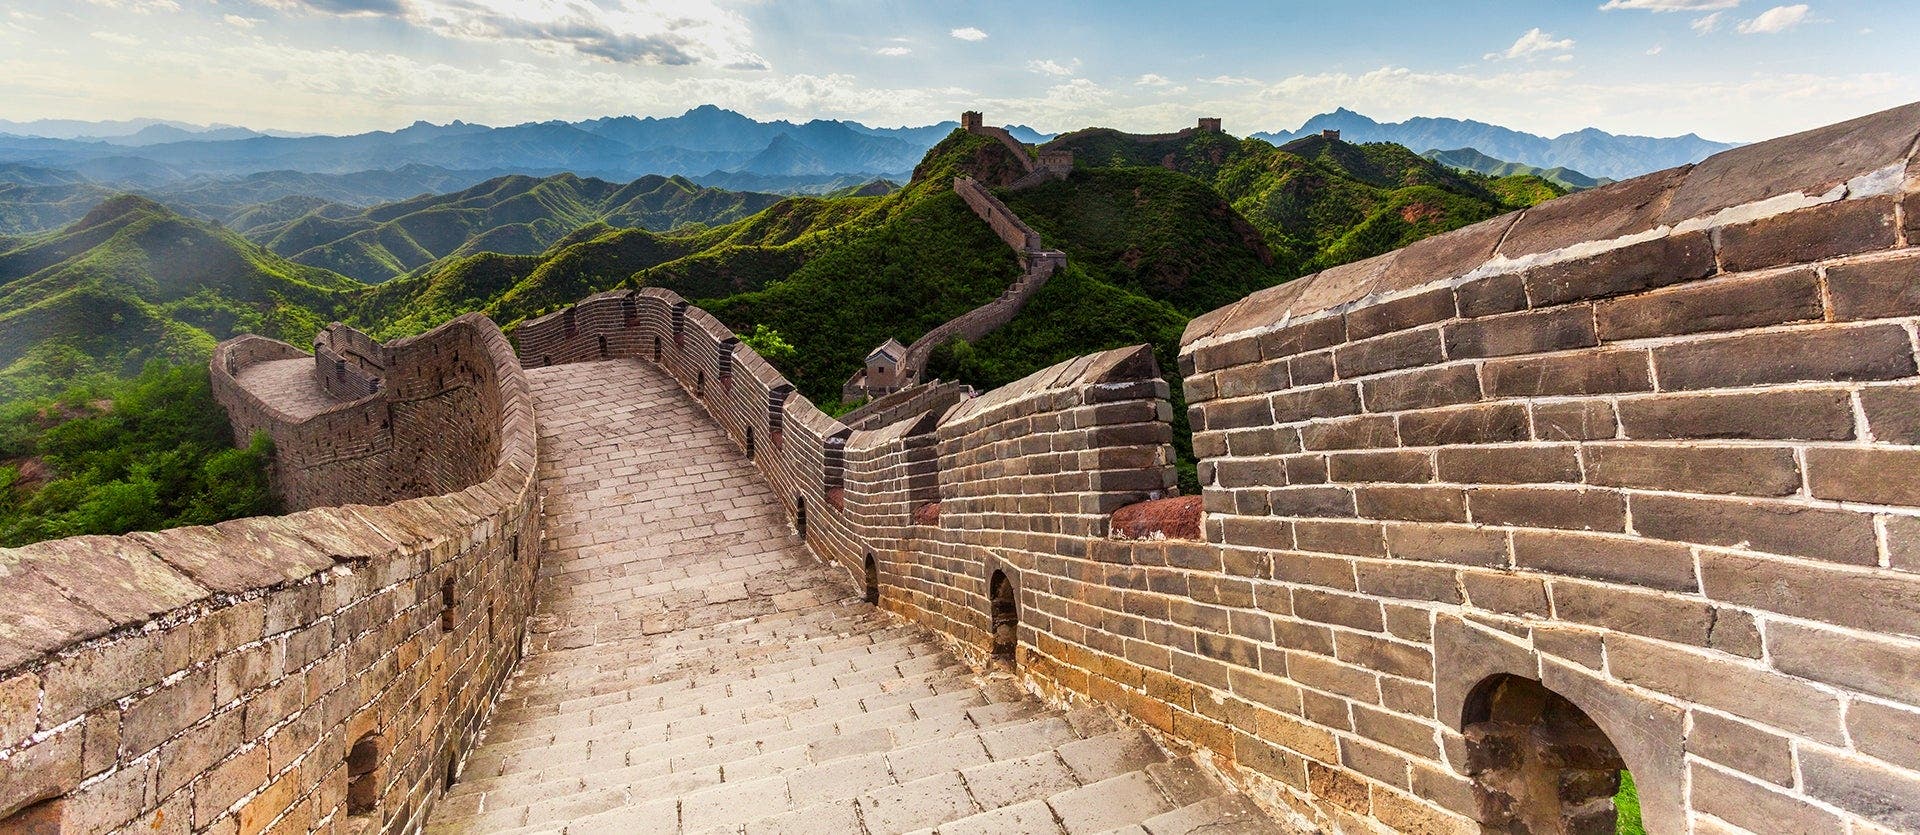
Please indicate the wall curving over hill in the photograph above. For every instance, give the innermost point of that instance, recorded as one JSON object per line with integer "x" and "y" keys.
{"x": 320, "y": 671}
{"x": 1624, "y": 481}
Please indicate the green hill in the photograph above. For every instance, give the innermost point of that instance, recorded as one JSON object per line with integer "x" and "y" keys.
{"x": 1469, "y": 159}
{"x": 513, "y": 215}
{"x": 132, "y": 282}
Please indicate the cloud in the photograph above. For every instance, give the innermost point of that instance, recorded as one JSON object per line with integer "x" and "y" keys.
{"x": 1775, "y": 20}
{"x": 1153, "y": 80}
{"x": 1670, "y": 5}
{"x": 139, "y": 6}
{"x": 1533, "y": 44}
{"x": 893, "y": 51}
{"x": 1707, "y": 24}
{"x": 117, "y": 39}
{"x": 1233, "y": 81}
{"x": 656, "y": 32}
{"x": 1656, "y": 49}
{"x": 1052, "y": 67}
{"x": 968, "y": 33}
{"x": 239, "y": 22}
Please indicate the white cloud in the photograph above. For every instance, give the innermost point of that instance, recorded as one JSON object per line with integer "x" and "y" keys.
{"x": 117, "y": 39}
{"x": 239, "y": 22}
{"x": 1533, "y": 44}
{"x": 139, "y": 6}
{"x": 1656, "y": 49}
{"x": 669, "y": 32}
{"x": 1670, "y": 5}
{"x": 1707, "y": 24}
{"x": 1153, "y": 80}
{"x": 1052, "y": 67}
{"x": 894, "y": 51}
{"x": 1775, "y": 20}
{"x": 1233, "y": 81}
{"x": 968, "y": 33}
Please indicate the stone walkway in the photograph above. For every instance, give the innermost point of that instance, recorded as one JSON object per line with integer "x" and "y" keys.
{"x": 288, "y": 385}
{"x": 695, "y": 669}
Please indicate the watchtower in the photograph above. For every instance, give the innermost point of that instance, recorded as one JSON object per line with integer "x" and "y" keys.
{"x": 1330, "y": 135}
{"x": 972, "y": 121}
{"x": 1209, "y": 125}
{"x": 883, "y": 367}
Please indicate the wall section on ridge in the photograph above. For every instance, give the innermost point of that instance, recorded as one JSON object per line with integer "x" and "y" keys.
{"x": 320, "y": 671}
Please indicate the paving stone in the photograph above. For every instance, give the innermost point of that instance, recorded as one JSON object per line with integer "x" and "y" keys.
{"x": 1108, "y": 804}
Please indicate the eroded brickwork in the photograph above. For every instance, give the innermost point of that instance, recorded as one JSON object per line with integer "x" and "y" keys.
{"x": 323, "y": 671}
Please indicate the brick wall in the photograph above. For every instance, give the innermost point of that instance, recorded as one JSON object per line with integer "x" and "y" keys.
{"x": 320, "y": 671}
{"x": 1622, "y": 481}
{"x": 422, "y": 431}
{"x": 1648, "y": 448}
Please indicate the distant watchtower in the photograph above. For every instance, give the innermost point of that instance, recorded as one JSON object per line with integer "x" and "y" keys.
{"x": 971, "y": 121}
{"x": 884, "y": 373}
{"x": 1332, "y": 135}
{"x": 1209, "y": 125}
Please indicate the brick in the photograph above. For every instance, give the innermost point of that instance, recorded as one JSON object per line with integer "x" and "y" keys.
{"x": 1507, "y": 594}
{"x": 1338, "y": 609}
{"x": 1629, "y": 269}
{"x": 1840, "y": 228}
{"x": 1886, "y": 732}
{"x": 1744, "y": 470}
{"x": 1893, "y": 413}
{"x": 1306, "y": 469}
{"x": 1634, "y": 611}
{"x": 1756, "y": 807}
{"x": 1490, "y": 296}
{"x": 1311, "y": 369}
{"x": 1244, "y": 380}
{"x": 1813, "y": 415}
{"x": 1362, "y": 432}
{"x": 1314, "y": 335}
{"x": 1374, "y": 761}
{"x": 1774, "y": 527}
{"x": 1584, "y": 372}
{"x": 1549, "y": 507}
{"x": 1583, "y": 420}
{"x": 98, "y": 675}
{"x": 1742, "y": 747}
{"x": 1330, "y": 536}
{"x": 45, "y": 769}
{"x": 1824, "y": 354}
{"x": 1422, "y": 389}
{"x": 1874, "y": 476}
{"x": 1487, "y": 423}
{"x": 19, "y": 708}
{"x": 1399, "y": 314}
{"x": 1766, "y": 697}
{"x": 1792, "y": 296}
{"x": 1877, "y": 794}
{"x": 1411, "y": 503}
{"x": 1338, "y": 788}
{"x": 1659, "y": 565}
{"x": 1880, "y": 288}
{"x": 1509, "y": 464}
{"x": 1410, "y": 582}
{"x": 1319, "y": 402}
{"x": 1388, "y": 353}
{"x": 159, "y": 716}
{"x": 1874, "y": 666}
{"x": 1335, "y": 502}
{"x": 1457, "y": 544}
{"x": 1535, "y": 332}
{"x": 1397, "y": 466}
{"x": 1866, "y": 600}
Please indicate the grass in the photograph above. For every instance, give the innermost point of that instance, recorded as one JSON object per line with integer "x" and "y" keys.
{"x": 1627, "y": 805}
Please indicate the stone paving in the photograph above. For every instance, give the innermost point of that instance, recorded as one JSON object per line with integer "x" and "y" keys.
{"x": 695, "y": 669}
{"x": 289, "y": 385}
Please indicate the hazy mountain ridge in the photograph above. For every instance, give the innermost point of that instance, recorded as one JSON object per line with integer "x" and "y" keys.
{"x": 1471, "y": 159}
{"x": 1592, "y": 151}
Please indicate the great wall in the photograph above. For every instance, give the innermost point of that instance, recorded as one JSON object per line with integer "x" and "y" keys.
{"x": 1627, "y": 480}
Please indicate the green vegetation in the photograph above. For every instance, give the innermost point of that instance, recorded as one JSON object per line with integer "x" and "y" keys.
{"x": 1468, "y": 159}
{"x": 1626, "y": 806}
{"x": 513, "y": 215}
{"x": 110, "y": 455}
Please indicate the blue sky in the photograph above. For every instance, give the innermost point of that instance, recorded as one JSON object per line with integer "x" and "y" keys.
{"x": 1727, "y": 69}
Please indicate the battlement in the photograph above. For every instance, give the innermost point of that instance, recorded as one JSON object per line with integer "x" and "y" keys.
{"x": 1623, "y": 481}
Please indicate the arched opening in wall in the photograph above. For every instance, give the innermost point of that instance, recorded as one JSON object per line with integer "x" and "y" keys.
{"x": 800, "y": 516}
{"x": 749, "y": 443}
{"x": 700, "y": 384}
{"x": 873, "y": 580}
{"x": 42, "y": 818}
{"x": 656, "y": 348}
{"x": 1538, "y": 763}
{"x": 363, "y": 767}
{"x": 1005, "y": 618}
{"x": 446, "y": 605}
{"x": 603, "y": 346}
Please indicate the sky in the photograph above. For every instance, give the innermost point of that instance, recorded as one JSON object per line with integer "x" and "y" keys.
{"x": 1733, "y": 70}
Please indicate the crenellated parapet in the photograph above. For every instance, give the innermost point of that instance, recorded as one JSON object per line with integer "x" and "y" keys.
{"x": 323, "y": 671}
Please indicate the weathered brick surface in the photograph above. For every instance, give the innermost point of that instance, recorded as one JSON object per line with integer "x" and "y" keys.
{"x": 242, "y": 661}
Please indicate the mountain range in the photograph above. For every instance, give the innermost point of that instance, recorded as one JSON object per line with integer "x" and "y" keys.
{"x": 1471, "y": 159}
{"x": 1591, "y": 151}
